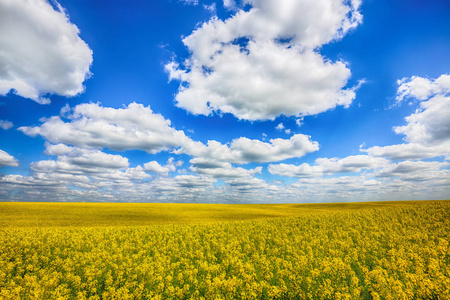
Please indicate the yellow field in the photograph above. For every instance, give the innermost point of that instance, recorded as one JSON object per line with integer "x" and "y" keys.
{"x": 143, "y": 214}
{"x": 381, "y": 250}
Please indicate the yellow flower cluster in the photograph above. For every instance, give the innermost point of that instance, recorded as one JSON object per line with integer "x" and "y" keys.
{"x": 398, "y": 252}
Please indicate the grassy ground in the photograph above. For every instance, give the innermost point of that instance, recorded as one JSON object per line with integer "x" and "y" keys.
{"x": 27, "y": 214}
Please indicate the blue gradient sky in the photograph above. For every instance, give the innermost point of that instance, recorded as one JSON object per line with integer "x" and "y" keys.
{"x": 259, "y": 122}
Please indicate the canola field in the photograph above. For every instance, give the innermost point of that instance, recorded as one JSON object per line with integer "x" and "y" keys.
{"x": 396, "y": 250}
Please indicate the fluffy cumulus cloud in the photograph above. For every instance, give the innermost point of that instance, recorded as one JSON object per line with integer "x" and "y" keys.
{"x": 244, "y": 150}
{"x": 82, "y": 164}
{"x": 51, "y": 187}
{"x": 248, "y": 184}
{"x": 42, "y": 52}
{"x": 329, "y": 166}
{"x": 215, "y": 159}
{"x": 336, "y": 189}
{"x": 366, "y": 188}
{"x": 76, "y": 173}
{"x": 94, "y": 126}
{"x": 7, "y": 159}
{"x": 422, "y": 88}
{"x": 263, "y": 62}
{"x": 429, "y": 125}
{"x": 137, "y": 127}
{"x": 79, "y": 161}
{"x": 77, "y": 139}
{"x": 281, "y": 127}
{"x": 221, "y": 170}
{"x": 427, "y": 130}
{"x": 407, "y": 151}
{"x": 155, "y": 167}
{"x": 416, "y": 170}
{"x": 365, "y": 178}
{"x": 192, "y": 181}
{"x": 93, "y": 167}
{"x": 389, "y": 172}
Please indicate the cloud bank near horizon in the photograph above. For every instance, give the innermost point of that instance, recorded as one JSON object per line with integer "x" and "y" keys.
{"x": 104, "y": 176}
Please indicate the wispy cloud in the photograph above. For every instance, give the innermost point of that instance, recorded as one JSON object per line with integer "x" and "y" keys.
{"x": 5, "y": 124}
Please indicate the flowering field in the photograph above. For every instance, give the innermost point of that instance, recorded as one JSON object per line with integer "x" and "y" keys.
{"x": 346, "y": 251}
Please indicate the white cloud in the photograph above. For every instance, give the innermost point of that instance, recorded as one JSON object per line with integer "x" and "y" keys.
{"x": 348, "y": 182}
{"x": 100, "y": 159}
{"x": 422, "y": 88}
{"x": 407, "y": 151}
{"x": 416, "y": 170}
{"x": 6, "y": 124}
{"x": 248, "y": 184}
{"x": 337, "y": 189}
{"x": 191, "y": 181}
{"x": 155, "y": 167}
{"x": 7, "y": 159}
{"x": 41, "y": 51}
{"x": 26, "y": 180}
{"x": 244, "y": 150}
{"x": 303, "y": 170}
{"x": 229, "y": 4}
{"x": 354, "y": 163}
{"x": 366, "y": 188}
{"x": 429, "y": 125}
{"x": 263, "y": 63}
{"x": 189, "y": 2}
{"x": 221, "y": 169}
{"x": 85, "y": 169}
{"x": 59, "y": 149}
{"x": 427, "y": 130}
{"x": 278, "y": 81}
{"x": 280, "y": 126}
{"x": 91, "y": 125}
{"x": 329, "y": 166}
{"x": 73, "y": 160}
{"x": 125, "y": 177}
{"x": 393, "y": 182}
{"x": 211, "y": 8}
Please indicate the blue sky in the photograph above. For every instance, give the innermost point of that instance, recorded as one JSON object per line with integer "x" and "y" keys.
{"x": 226, "y": 102}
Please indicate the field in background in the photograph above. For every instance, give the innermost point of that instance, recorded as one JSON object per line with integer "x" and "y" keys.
{"x": 380, "y": 250}
{"x": 38, "y": 214}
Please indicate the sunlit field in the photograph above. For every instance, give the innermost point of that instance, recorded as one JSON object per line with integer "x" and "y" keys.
{"x": 378, "y": 250}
